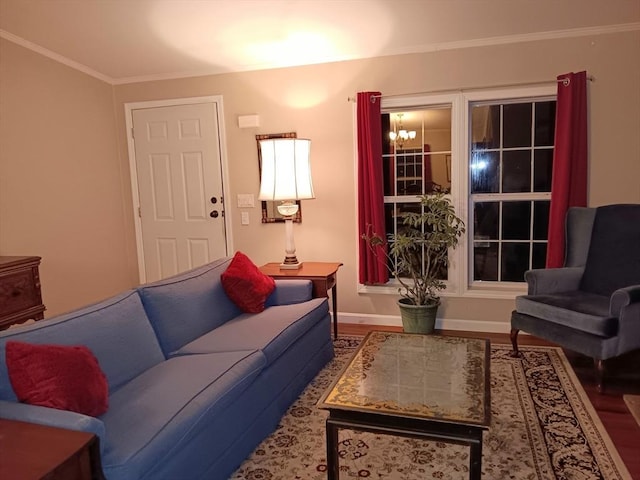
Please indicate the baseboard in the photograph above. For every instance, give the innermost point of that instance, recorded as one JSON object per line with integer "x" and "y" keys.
{"x": 441, "y": 323}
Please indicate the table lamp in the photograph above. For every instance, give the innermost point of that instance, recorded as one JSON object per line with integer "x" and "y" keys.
{"x": 286, "y": 177}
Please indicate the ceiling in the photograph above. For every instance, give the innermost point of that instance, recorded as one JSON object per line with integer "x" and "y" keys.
{"x": 121, "y": 41}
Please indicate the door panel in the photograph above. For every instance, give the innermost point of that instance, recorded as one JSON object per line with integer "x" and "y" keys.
{"x": 178, "y": 165}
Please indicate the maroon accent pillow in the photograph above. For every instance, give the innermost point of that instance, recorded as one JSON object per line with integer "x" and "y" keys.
{"x": 57, "y": 376}
{"x": 246, "y": 285}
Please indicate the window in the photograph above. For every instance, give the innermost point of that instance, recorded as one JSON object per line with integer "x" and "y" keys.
{"x": 492, "y": 152}
{"x": 511, "y": 152}
{"x": 416, "y": 159}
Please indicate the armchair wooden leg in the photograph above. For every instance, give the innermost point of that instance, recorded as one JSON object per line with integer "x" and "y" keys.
{"x": 514, "y": 341}
{"x": 599, "y": 366}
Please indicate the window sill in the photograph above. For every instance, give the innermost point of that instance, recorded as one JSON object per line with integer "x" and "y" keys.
{"x": 487, "y": 291}
{"x": 504, "y": 291}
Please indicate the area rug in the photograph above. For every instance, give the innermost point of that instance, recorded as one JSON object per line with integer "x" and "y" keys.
{"x": 633, "y": 404}
{"x": 543, "y": 427}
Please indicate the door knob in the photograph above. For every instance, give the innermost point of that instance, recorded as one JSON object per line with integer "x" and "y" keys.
{"x": 214, "y": 200}
{"x": 214, "y": 214}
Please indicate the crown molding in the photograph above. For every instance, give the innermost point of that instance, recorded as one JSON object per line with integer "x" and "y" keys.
{"x": 482, "y": 42}
{"x": 520, "y": 38}
{"x": 55, "y": 56}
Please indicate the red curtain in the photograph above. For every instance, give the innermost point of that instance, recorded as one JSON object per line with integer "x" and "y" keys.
{"x": 373, "y": 267}
{"x": 569, "y": 177}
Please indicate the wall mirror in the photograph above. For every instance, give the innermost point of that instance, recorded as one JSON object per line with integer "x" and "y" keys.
{"x": 270, "y": 212}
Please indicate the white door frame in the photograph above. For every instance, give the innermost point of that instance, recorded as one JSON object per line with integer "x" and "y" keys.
{"x": 135, "y": 194}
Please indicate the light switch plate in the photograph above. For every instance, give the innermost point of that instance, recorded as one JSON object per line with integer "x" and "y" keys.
{"x": 245, "y": 218}
{"x": 246, "y": 200}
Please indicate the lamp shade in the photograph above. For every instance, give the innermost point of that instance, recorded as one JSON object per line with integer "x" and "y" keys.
{"x": 286, "y": 169}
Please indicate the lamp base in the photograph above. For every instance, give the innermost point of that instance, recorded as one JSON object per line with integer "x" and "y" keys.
{"x": 290, "y": 266}
{"x": 290, "y": 263}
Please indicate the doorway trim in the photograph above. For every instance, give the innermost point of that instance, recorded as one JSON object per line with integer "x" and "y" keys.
{"x": 135, "y": 194}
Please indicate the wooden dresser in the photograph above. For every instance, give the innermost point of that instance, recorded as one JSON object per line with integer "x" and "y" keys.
{"x": 20, "y": 295}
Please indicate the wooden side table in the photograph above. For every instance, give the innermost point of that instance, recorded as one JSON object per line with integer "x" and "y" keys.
{"x": 30, "y": 451}
{"x": 323, "y": 276}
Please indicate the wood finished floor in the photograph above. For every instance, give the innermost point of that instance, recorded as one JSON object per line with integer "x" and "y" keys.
{"x": 623, "y": 377}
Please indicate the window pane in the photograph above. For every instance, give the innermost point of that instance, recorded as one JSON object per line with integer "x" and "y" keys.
{"x": 397, "y": 220}
{"x": 516, "y": 176}
{"x": 438, "y": 176}
{"x": 486, "y": 220}
{"x": 543, "y": 161}
{"x": 545, "y": 123}
{"x": 539, "y": 259}
{"x": 485, "y": 261}
{"x": 409, "y": 172}
{"x": 485, "y": 126}
{"x": 516, "y": 221}
{"x": 389, "y": 219}
{"x": 515, "y": 261}
{"x": 437, "y": 140}
{"x": 485, "y": 172}
{"x": 517, "y": 125}
{"x": 415, "y": 145}
{"x": 540, "y": 220}
{"x": 386, "y": 128}
{"x": 394, "y": 220}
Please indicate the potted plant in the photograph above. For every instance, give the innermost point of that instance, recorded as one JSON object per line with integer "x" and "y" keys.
{"x": 417, "y": 256}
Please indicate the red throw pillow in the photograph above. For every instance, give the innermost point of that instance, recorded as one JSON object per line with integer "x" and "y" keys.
{"x": 246, "y": 285}
{"x": 57, "y": 376}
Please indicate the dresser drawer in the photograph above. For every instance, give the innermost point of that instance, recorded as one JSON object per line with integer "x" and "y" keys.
{"x": 18, "y": 291}
{"x": 20, "y": 294}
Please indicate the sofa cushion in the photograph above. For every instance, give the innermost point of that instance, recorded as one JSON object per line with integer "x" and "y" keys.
{"x": 246, "y": 285}
{"x": 271, "y": 331}
{"x": 184, "y": 307}
{"x": 57, "y": 376}
{"x": 614, "y": 252}
{"x": 116, "y": 330}
{"x": 579, "y": 310}
{"x": 154, "y": 412}
{"x": 290, "y": 291}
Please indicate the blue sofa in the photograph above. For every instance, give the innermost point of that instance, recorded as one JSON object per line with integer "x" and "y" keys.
{"x": 194, "y": 383}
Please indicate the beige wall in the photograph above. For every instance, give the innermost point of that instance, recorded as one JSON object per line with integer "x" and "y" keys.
{"x": 60, "y": 190}
{"x": 312, "y": 101}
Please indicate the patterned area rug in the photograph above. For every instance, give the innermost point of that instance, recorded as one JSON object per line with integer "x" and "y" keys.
{"x": 543, "y": 427}
{"x": 633, "y": 404}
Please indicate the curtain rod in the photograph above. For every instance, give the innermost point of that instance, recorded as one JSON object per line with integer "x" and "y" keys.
{"x": 565, "y": 81}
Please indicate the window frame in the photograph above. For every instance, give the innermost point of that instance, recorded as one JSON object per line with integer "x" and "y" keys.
{"x": 459, "y": 282}
{"x": 470, "y": 287}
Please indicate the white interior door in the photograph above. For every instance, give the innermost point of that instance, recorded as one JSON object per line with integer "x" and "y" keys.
{"x": 179, "y": 182}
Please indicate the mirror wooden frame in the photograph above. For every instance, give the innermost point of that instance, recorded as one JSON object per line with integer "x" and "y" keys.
{"x": 269, "y": 208}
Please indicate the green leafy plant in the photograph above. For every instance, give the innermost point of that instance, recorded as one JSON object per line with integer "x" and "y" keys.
{"x": 417, "y": 255}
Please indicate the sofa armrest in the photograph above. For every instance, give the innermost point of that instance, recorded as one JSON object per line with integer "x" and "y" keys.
{"x": 553, "y": 280}
{"x": 52, "y": 417}
{"x": 623, "y": 297}
{"x": 288, "y": 292}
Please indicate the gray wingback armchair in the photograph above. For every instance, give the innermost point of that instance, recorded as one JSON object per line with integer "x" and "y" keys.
{"x": 592, "y": 304}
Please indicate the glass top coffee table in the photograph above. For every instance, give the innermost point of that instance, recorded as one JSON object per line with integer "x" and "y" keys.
{"x": 405, "y": 384}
